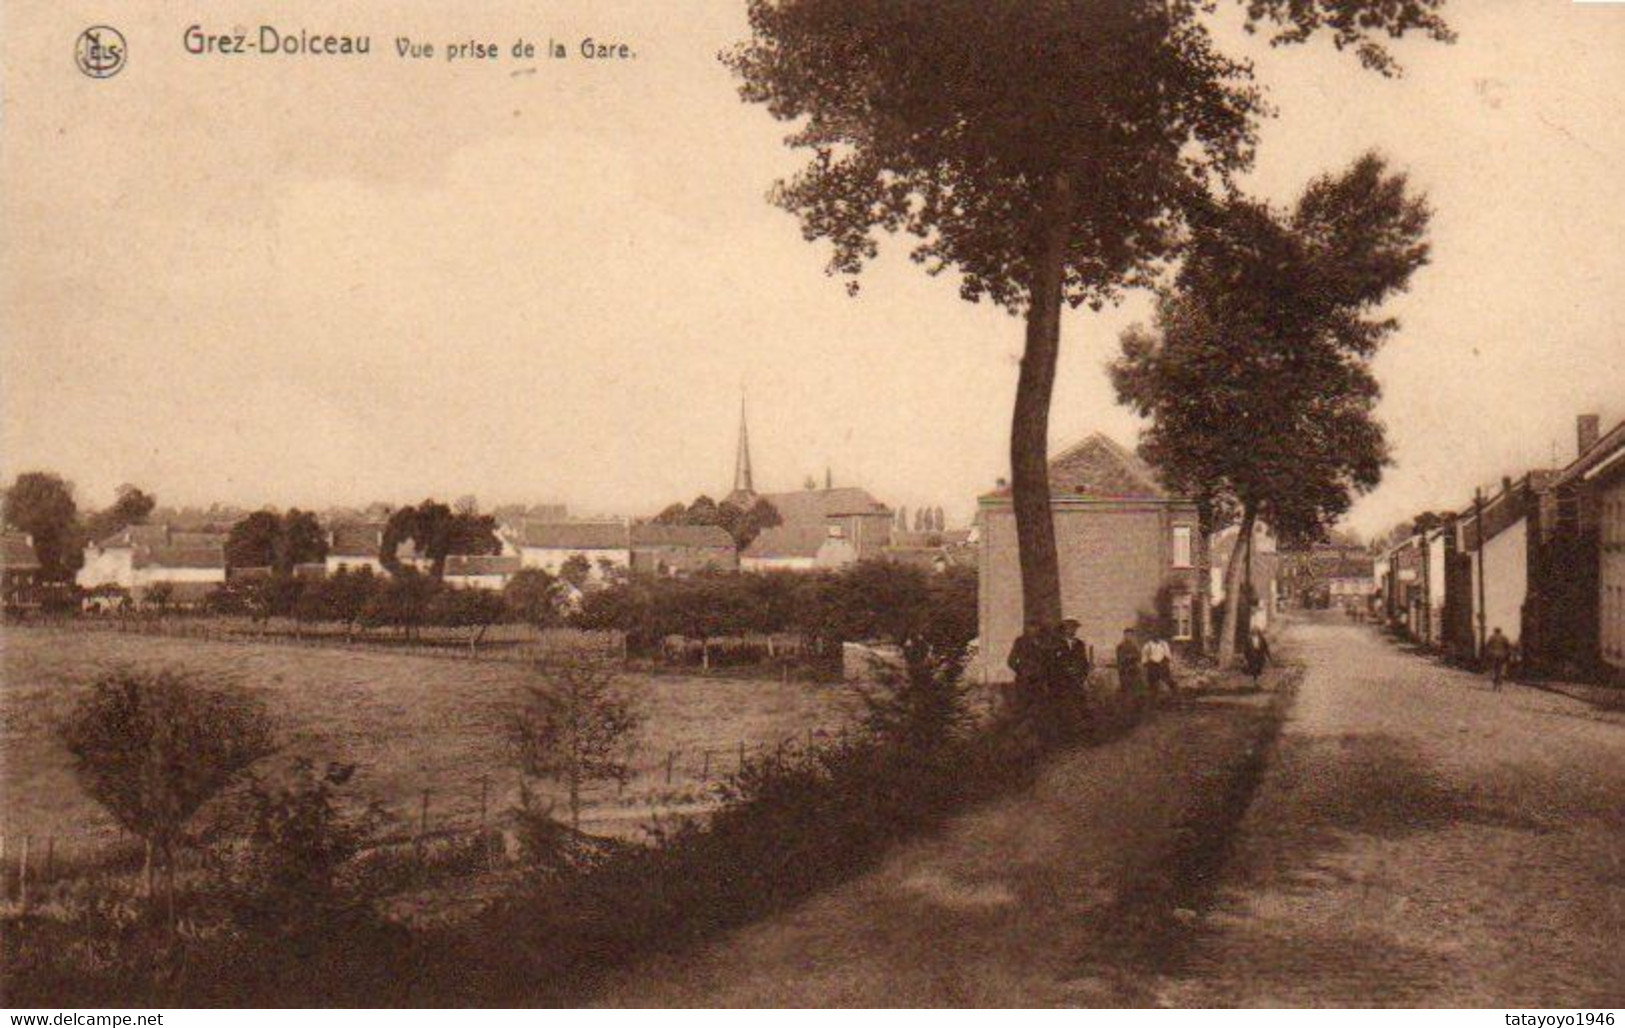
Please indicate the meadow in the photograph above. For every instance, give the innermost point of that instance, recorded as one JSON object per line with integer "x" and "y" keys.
{"x": 411, "y": 723}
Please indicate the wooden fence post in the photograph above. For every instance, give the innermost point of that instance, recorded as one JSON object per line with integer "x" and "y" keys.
{"x": 741, "y": 754}
{"x": 705, "y": 766}
{"x": 671, "y": 758}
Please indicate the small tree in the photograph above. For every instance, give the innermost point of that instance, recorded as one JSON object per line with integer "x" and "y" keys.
{"x": 152, "y": 748}
{"x": 574, "y": 729}
{"x": 532, "y": 597}
{"x": 576, "y": 570}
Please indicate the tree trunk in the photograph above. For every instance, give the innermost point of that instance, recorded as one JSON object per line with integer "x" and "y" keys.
{"x": 1233, "y": 579}
{"x": 147, "y": 872}
{"x": 1202, "y": 629}
{"x": 1029, "y": 429}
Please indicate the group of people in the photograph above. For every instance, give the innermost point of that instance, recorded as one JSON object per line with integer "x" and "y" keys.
{"x": 1052, "y": 663}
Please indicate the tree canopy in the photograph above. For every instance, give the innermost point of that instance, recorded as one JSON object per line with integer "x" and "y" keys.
{"x": 1045, "y": 151}
{"x": 1257, "y": 378}
{"x": 41, "y": 504}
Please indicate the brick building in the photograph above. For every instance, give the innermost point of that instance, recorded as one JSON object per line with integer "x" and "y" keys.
{"x": 1129, "y": 550}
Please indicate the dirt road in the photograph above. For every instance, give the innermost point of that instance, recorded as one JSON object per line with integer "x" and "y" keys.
{"x": 1421, "y": 840}
{"x": 1411, "y": 839}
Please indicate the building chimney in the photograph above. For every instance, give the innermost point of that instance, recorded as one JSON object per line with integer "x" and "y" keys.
{"x": 1590, "y": 429}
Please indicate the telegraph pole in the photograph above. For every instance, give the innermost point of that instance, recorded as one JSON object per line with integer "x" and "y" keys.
{"x": 1478, "y": 528}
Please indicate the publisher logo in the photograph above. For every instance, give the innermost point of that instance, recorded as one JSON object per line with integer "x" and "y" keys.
{"x": 100, "y": 52}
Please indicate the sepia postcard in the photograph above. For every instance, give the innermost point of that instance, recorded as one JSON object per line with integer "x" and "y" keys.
{"x": 812, "y": 504}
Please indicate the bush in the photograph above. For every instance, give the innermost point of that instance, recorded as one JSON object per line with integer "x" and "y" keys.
{"x": 152, "y": 748}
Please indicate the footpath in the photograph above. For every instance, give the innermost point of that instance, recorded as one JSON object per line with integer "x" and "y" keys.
{"x": 1076, "y": 892}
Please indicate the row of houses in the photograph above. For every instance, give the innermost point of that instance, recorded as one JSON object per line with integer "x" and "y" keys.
{"x": 1542, "y": 558}
{"x": 820, "y": 529}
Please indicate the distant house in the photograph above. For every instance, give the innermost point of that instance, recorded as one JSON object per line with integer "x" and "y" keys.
{"x": 137, "y": 558}
{"x": 933, "y": 551}
{"x": 468, "y": 571}
{"x": 548, "y": 545}
{"x": 354, "y": 545}
{"x": 1263, "y": 566}
{"x": 19, "y": 569}
{"x": 820, "y": 529}
{"x": 1497, "y": 537}
{"x": 682, "y": 549}
{"x": 1579, "y": 619}
{"x": 1128, "y": 548}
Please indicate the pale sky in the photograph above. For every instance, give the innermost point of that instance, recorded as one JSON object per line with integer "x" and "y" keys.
{"x": 314, "y": 280}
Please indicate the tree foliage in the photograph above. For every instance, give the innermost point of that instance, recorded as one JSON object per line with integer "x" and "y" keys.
{"x": 437, "y": 532}
{"x": 41, "y": 504}
{"x": 153, "y": 748}
{"x": 265, "y": 539}
{"x": 1256, "y": 378}
{"x": 743, "y": 525}
{"x": 1044, "y": 150}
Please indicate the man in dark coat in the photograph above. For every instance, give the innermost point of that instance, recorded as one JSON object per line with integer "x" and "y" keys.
{"x": 1073, "y": 658}
{"x": 1498, "y": 654}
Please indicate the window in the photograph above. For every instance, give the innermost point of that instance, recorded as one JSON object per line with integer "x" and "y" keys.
{"x": 1182, "y": 546}
{"x": 1182, "y": 616}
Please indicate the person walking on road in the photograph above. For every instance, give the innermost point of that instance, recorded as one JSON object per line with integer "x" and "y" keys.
{"x": 1497, "y": 654}
{"x": 1257, "y": 655}
{"x": 1157, "y": 657}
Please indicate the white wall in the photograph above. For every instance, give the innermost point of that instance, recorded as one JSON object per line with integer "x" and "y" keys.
{"x": 551, "y": 560}
{"x": 1506, "y": 580}
{"x": 107, "y": 567}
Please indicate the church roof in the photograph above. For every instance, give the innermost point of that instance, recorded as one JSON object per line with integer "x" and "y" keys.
{"x": 1099, "y": 468}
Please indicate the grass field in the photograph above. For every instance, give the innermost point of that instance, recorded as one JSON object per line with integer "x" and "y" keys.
{"x": 410, "y": 722}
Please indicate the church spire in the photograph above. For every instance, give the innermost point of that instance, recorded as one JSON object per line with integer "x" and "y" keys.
{"x": 743, "y": 484}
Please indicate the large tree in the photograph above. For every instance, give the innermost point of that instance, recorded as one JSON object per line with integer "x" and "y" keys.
{"x": 1257, "y": 378}
{"x": 41, "y": 504}
{"x": 131, "y": 507}
{"x": 438, "y": 532}
{"x": 1043, "y": 149}
{"x": 265, "y": 539}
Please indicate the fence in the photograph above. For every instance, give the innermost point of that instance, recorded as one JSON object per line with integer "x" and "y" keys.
{"x": 515, "y": 643}
{"x": 436, "y": 827}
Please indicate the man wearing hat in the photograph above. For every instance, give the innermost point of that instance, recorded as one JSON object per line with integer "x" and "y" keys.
{"x": 1073, "y": 658}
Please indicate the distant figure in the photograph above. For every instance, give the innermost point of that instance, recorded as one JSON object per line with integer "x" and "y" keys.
{"x": 1498, "y": 654}
{"x": 1257, "y": 655}
{"x": 1158, "y": 658}
{"x": 1073, "y": 660}
{"x": 1129, "y": 682}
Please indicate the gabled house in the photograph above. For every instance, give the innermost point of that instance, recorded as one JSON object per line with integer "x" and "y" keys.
{"x": 1129, "y": 550}
{"x": 139, "y": 557}
{"x": 820, "y": 529}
